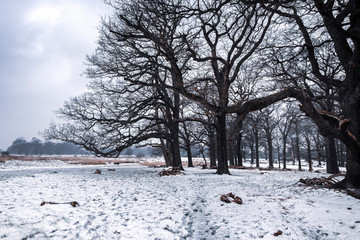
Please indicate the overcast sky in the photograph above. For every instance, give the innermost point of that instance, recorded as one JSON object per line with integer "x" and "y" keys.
{"x": 43, "y": 44}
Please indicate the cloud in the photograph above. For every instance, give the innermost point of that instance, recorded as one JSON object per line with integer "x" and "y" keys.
{"x": 42, "y": 50}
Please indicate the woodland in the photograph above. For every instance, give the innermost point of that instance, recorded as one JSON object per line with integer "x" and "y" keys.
{"x": 228, "y": 76}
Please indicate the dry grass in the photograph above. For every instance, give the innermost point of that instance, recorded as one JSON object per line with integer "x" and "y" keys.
{"x": 87, "y": 160}
{"x": 92, "y": 160}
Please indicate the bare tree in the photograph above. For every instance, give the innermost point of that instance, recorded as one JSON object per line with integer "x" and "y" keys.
{"x": 339, "y": 46}
{"x": 286, "y": 118}
{"x": 269, "y": 125}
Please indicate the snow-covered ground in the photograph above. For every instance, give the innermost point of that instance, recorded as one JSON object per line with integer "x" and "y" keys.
{"x": 133, "y": 202}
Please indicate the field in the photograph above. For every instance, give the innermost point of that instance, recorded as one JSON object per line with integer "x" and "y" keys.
{"x": 131, "y": 201}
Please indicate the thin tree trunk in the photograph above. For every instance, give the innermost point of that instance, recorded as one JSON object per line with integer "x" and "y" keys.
{"x": 189, "y": 155}
{"x": 212, "y": 141}
{"x": 165, "y": 151}
{"x": 342, "y": 155}
{"x": 284, "y": 153}
{"x": 257, "y": 148}
{"x": 231, "y": 154}
{"x": 270, "y": 147}
{"x": 266, "y": 152}
{"x": 279, "y": 158}
{"x": 252, "y": 154}
{"x": 297, "y": 145}
{"x": 308, "y": 144}
{"x": 239, "y": 151}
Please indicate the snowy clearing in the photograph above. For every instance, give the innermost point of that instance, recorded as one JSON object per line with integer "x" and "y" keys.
{"x": 133, "y": 202}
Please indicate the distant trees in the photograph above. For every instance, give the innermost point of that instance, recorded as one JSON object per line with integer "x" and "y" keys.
{"x": 37, "y": 147}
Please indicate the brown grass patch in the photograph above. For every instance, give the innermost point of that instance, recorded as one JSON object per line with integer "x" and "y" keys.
{"x": 84, "y": 160}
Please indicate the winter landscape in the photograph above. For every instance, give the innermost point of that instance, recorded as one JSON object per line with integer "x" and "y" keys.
{"x": 274, "y": 83}
{"x": 131, "y": 201}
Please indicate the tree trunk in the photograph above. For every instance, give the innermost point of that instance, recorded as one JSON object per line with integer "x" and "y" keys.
{"x": 284, "y": 153}
{"x": 221, "y": 144}
{"x": 352, "y": 179}
{"x": 318, "y": 149}
{"x": 174, "y": 132}
{"x": 166, "y": 153}
{"x": 270, "y": 147}
{"x": 231, "y": 154}
{"x": 212, "y": 141}
{"x": 239, "y": 151}
{"x": 353, "y": 165}
{"x": 308, "y": 145}
{"x": 234, "y": 146}
{"x": 353, "y": 173}
{"x": 257, "y": 147}
{"x": 175, "y": 149}
{"x": 342, "y": 154}
{"x": 297, "y": 145}
{"x": 278, "y": 156}
{"x": 298, "y": 152}
{"x": 252, "y": 154}
{"x": 266, "y": 152}
{"x": 189, "y": 155}
{"x": 332, "y": 164}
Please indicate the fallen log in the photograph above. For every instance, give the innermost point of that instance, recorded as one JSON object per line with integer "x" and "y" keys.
{"x": 172, "y": 171}
{"x": 278, "y": 233}
{"x": 227, "y": 198}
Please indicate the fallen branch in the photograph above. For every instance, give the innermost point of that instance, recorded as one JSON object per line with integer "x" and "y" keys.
{"x": 74, "y": 204}
{"x": 235, "y": 199}
{"x": 278, "y": 233}
{"x": 321, "y": 181}
{"x": 172, "y": 171}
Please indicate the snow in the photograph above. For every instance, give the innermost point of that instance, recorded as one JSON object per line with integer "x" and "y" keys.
{"x": 133, "y": 202}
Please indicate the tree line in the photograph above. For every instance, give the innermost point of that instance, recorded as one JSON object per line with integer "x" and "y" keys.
{"x": 171, "y": 74}
{"x": 36, "y": 147}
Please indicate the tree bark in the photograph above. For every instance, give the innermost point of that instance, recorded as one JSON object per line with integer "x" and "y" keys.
{"x": 284, "y": 153}
{"x": 279, "y": 156}
{"x": 252, "y": 152}
{"x": 189, "y": 155}
{"x": 270, "y": 147}
{"x": 212, "y": 141}
{"x": 308, "y": 145}
{"x": 239, "y": 151}
{"x": 332, "y": 164}
{"x": 297, "y": 145}
{"x": 231, "y": 154}
{"x": 342, "y": 154}
{"x": 174, "y": 132}
{"x": 221, "y": 144}
{"x": 257, "y": 160}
